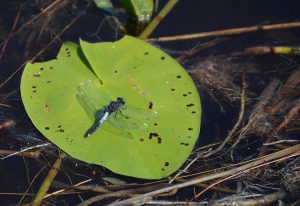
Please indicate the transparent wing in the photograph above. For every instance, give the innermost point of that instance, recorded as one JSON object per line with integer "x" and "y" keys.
{"x": 132, "y": 118}
{"x": 114, "y": 129}
{"x": 118, "y": 120}
{"x": 93, "y": 101}
{"x": 138, "y": 114}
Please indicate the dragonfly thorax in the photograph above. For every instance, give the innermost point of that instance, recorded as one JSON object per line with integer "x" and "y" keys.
{"x": 112, "y": 107}
{"x": 115, "y": 105}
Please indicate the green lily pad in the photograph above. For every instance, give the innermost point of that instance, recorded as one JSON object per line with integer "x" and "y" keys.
{"x": 156, "y": 128}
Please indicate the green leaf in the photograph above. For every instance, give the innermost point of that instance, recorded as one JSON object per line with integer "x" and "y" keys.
{"x": 139, "y": 9}
{"x": 106, "y": 5}
{"x": 160, "y": 119}
{"x": 114, "y": 181}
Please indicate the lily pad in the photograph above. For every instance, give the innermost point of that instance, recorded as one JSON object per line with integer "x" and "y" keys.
{"x": 62, "y": 97}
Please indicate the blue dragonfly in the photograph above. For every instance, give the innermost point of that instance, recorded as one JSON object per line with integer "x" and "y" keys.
{"x": 114, "y": 116}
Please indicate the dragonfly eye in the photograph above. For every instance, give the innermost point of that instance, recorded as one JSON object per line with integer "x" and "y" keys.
{"x": 121, "y": 100}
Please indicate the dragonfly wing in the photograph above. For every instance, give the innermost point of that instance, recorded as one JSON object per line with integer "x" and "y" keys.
{"x": 139, "y": 113}
{"x": 138, "y": 116}
{"x": 118, "y": 120}
{"x": 92, "y": 100}
{"x": 127, "y": 118}
{"x": 116, "y": 129}
{"x": 131, "y": 118}
{"x": 86, "y": 104}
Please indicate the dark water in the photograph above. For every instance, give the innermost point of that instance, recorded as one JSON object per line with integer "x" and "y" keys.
{"x": 189, "y": 16}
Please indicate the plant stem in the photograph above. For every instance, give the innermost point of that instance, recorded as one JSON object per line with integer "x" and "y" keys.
{"x": 153, "y": 24}
{"x": 47, "y": 182}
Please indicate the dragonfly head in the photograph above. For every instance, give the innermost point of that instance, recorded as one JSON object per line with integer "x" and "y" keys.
{"x": 120, "y": 100}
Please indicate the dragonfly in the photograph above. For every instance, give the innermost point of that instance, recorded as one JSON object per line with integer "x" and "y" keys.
{"x": 112, "y": 107}
{"x": 115, "y": 116}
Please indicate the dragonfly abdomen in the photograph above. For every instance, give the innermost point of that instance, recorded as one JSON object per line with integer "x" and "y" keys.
{"x": 97, "y": 125}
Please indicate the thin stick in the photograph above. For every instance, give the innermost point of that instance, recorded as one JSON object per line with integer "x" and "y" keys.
{"x": 240, "y": 173}
{"x": 57, "y": 36}
{"x": 35, "y": 154}
{"x": 35, "y": 17}
{"x": 47, "y": 182}
{"x": 9, "y": 34}
{"x": 41, "y": 51}
{"x": 215, "y": 188}
{"x": 237, "y": 124}
{"x": 153, "y": 24}
{"x": 15, "y": 193}
{"x": 264, "y": 200}
{"x": 100, "y": 189}
{"x": 121, "y": 193}
{"x": 63, "y": 190}
{"x": 201, "y": 47}
{"x": 281, "y": 141}
{"x": 175, "y": 203}
{"x": 28, "y": 188}
{"x": 294, "y": 111}
{"x": 227, "y": 32}
{"x": 185, "y": 169}
{"x": 5, "y": 105}
{"x": 261, "y": 161}
{"x": 26, "y": 149}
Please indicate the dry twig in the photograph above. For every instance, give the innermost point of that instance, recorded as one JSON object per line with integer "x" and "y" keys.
{"x": 43, "y": 50}
{"x": 227, "y": 32}
{"x": 261, "y": 162}
{"x": 252, "y": 201}
{"x": 294, "y": 111}
{"x": 35, "y": 154}
{"x": 237, "y": 124}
